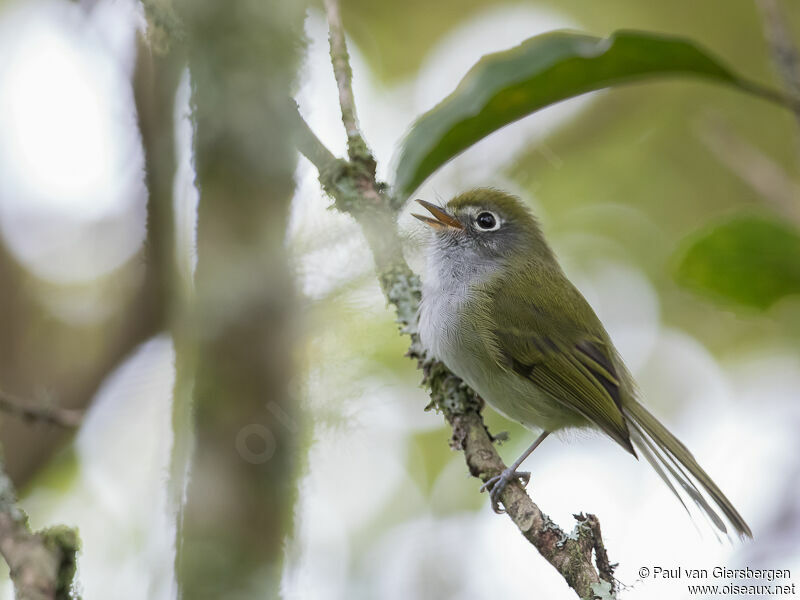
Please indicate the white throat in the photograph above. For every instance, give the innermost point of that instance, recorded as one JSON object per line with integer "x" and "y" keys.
{"x": 452, "y": 273}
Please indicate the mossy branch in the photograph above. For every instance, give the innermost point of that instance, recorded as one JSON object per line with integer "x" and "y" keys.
{"x": 41, "y": 564}
{"x": 355, "y": 190}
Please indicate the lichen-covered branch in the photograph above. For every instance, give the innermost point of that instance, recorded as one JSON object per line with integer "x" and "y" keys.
{"x": 41, "y": 564}
{"x": 354, "y": 189}
{"x": 50, "y": 415}
{"x": 571, "y": 554}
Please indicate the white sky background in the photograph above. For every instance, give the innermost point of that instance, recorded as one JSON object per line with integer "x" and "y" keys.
{"x": 70, "y": 177}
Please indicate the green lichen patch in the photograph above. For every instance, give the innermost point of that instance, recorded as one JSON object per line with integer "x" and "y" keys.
{"x": 63, "y": 541}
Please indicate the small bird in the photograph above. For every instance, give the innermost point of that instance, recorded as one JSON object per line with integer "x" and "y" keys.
{"x": 498, "y": 310}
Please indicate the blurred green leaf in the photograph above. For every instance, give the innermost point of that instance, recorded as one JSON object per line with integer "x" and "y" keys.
{"x": 750, "y": 260}
{"x": 506, "y": 86}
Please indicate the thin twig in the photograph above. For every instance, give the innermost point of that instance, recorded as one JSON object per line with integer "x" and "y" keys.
{"x": 368, "y": 202}
{"x": 761, "y": 173}
{"x": 784, "y": 52}
{"x": 357, "y": 148}
{"x": 310, "y": 145}
{"x": 52, "y": 415}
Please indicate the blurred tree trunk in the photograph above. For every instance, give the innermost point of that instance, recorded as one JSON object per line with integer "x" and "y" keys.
{"x": 242, "y": 59}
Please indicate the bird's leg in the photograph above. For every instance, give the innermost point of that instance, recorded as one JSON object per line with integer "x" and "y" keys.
{"x": 498, "y": 483}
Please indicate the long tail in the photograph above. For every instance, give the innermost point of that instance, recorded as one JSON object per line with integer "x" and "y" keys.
{"x": 671, "y": 460}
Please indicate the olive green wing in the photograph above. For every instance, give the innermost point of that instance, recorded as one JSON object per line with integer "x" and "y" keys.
{"x": 562, "y": 349}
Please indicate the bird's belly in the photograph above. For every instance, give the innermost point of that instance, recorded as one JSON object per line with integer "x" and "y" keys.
{"x": 512, "y": 396}
{"x": 461, "y": 348}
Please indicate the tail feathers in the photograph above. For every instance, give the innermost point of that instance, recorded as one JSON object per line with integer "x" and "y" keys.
{"x": 671, "y": 460}
{"x": 656, "y": 460}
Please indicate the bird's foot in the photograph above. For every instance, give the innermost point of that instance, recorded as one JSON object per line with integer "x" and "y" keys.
{"x": 498, "y": 483}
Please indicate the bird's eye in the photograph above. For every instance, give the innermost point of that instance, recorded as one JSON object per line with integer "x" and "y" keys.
{"x": 486, "y": 221}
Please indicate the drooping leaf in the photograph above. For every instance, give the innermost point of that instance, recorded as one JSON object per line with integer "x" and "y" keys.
{"x": 506, "y": 86}
{"x": 749, "y": 260}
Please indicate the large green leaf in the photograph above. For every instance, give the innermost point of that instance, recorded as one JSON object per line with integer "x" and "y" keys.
{"x": 504, "y": 87}
{"x": 748, "y": 259}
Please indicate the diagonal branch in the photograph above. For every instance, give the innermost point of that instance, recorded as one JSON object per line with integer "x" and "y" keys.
{"x": 357, "y": 193}
{"x": 570, "y": 554}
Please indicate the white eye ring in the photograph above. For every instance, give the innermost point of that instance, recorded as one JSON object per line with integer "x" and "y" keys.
{"x": 486, "y": 220}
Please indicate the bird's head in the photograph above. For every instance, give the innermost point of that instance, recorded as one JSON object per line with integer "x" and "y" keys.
{"x": 486, "y": 223}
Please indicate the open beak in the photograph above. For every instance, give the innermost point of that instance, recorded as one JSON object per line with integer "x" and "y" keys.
{"x": 442, "y": 221}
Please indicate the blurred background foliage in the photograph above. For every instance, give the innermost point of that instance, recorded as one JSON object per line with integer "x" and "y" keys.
{"x": 627, "y": 183}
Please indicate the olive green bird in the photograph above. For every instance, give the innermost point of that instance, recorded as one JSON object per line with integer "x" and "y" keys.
{"x": 498, "y": 310}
